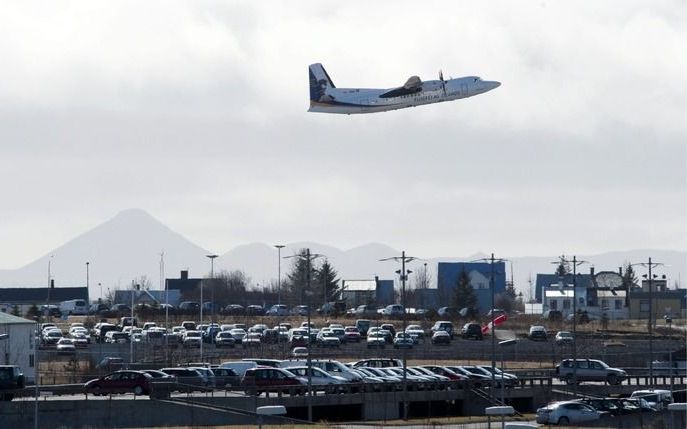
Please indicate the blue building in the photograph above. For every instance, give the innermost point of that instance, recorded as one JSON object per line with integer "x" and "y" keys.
{"x": 480, "y": 274}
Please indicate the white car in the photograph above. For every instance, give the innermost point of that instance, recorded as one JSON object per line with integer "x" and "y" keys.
{"x": 278, "y": 310}
{"x": 376, "y": 340}
{"x": 192, "y": 339}
{"x": 319, "y": 377}
{"x": 416, "y": 332}
{"x": 66, "y": 345}
{"x": 563, "y": 337}
{"x": 393, "y": 310}
{"x": 566, "y": 413}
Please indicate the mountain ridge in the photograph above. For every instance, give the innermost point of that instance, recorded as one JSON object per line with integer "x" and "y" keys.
{"x": 130, "y": 244}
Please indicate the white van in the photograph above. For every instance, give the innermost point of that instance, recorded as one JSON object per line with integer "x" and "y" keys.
{"x": 77, "y": 307}
{"x": 239, "y": 367}
{"x": 659, "y": 399}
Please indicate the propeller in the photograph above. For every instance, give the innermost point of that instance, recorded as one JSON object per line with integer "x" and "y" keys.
{"x": 443, "y": 83}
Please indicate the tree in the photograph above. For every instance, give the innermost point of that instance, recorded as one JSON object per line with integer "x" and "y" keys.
{"x": 504, "y": 302}
{"x": 464, "y": 295}
{"x": 33, "y": 312}
{"x": 326, "y": 278}
{"x": 629, "y": 277}
{"x": 227, "y": 287}
{"x": 510, "y": 290}
{"x": 422, "y": 278}
{"x": 15, "y": 311}
{"x": 563, "y": 267}
{"x": 295, "y": 287}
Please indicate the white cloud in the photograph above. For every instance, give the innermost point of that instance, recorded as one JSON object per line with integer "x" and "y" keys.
{"x": 197, "y": 110}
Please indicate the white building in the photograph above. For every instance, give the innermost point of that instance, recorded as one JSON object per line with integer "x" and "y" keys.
{"x": 19, "y": 347}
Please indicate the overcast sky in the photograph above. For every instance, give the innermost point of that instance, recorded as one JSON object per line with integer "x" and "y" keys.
{"x": 196, "y": 112}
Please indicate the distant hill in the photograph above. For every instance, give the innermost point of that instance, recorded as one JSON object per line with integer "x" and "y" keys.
{"x": 129, "y": 245}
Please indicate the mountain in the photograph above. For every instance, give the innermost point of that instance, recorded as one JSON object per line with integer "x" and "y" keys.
{"x": 129, "y": 246}
{"x": 118, "y": 251}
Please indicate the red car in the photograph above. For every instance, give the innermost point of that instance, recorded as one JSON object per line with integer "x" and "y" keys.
{"x": 267, "y": 377}
{"x": 136, "y": 382}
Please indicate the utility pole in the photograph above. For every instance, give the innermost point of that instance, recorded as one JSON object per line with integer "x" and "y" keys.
{"x": 403, "y": 273}
{"x": 575, "y": 263}
{"x": 492, "y": 260}
{"x": 650, "y": 278}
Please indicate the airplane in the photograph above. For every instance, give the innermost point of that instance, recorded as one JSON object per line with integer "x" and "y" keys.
{"x": 325, "y": 97}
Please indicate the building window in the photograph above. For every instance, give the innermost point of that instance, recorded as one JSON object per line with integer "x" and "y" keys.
{"x": 644, "y": 305}
{"x": 566, "y": 304}
{"x": 604, "y": 303}
{"x": 31, "y": 361}
{"x": 554, "y": 304}
{"x": 618, "y": 304}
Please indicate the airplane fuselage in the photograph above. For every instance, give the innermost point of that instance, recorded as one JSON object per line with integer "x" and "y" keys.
{"x": 363, "y": 100}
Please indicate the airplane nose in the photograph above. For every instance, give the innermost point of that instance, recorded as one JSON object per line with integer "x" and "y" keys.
{"x": 494, "y": 84}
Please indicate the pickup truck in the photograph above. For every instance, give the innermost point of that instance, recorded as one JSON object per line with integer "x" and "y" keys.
{"x": 11, "y": 378}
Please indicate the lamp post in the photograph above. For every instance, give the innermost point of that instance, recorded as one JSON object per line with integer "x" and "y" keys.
{"x": 502, "y": 345}
{"x": 308, "y": 258}
{"x": 279, "y": 247}
{"x": 212, "y": 291}
{"x": 202, "y": 304}
{"x": 87, "y": 279}
{"x": 403, "y": 277}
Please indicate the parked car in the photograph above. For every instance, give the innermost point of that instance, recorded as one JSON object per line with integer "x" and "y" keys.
{"x": 66, "y": 346}
{"x": 327, "y": 338}
{"x": 589, "y": 370}
{"x": 234, "y": 310}
{"x": 352, "y": 334}
{"x": 191, "y": 339}
{"x": 363, "y": 325}
{"x": 416, "y": 332}
{"x": 472, "y": 330}
{"x": 318, "y": 376}
{"x": 363, "y": 310}
{"x": 113, "y": 337}
{"x": 136, "y": 382}
{"x": 299, "y": 310}
{"x": 657, "y": 398}
{"x": 189, "y": 307}
{"x": 449, "y": 312}
{"x": 537, "y": 333}
{"x": 441, "y": 337}
{"x": 299, "y": 352}
{"x": 259, "y": 378}
{"x": 225, "y": 339}
{"x": 443, "y": 325}
{"x": 552, "y": 316}
{"x": 403, "y": 340}
{"x": 187, "y": 379}
{"x": 52, "y": 336}
{"x": 252, "y": 339}
{"x": 377, "y": 363}
{"x": 563, "y": 337}
{"x": 376, "y": 340}
{"x": 255, "y": 310}
{"x": 240, "y": 367}
{"x": 278, "y": 310}
{"x": 393, "y": 310}
{"x": 446, "y": 372}
{"x": 11, "y": 378}
{"x": 226, "y": 377}
{"x": 566, "y": 413}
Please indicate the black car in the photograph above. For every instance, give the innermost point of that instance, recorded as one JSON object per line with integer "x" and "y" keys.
{"x": 234, "y": 310}
{"x": 472, "y": 330}
{"x": 255, "y": 310}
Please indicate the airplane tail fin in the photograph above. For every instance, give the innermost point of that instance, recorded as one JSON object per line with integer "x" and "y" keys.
{"x": 319, "y": 81}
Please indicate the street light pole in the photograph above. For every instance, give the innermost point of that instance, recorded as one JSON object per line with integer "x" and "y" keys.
{"x": 279, "y": 247}
{"x": 308, "y": 257}
{"x": 403, "y": 276}
{"x": 212, "y": 291}
{"x": 87, "y": 278}
{"x": 202, "y": 304}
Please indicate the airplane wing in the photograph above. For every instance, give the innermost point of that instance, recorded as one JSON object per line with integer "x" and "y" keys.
{"x": 412, "y": 85}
